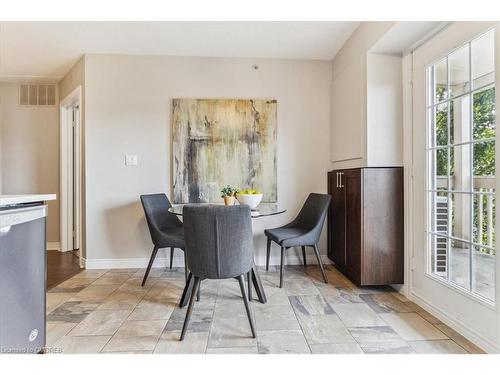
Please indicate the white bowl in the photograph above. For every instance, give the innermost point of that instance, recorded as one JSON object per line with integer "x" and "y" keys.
{"x": 251, "y": 200}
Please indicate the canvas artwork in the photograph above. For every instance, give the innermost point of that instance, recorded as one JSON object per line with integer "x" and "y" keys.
{"x": 218, "y": 142}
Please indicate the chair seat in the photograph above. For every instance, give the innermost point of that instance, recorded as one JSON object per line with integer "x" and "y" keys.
{"x": 172, "y": 237}
{"x": 289, "y": 236}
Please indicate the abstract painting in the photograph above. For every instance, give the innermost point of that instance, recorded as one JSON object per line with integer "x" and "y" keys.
{"x": 219, "y": 142}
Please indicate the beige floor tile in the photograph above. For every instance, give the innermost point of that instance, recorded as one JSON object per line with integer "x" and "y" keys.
{"x": 127, "y": 344}
{"x": 275, "y": 317}
{"x": 82, "y": 344}
{"x": 423, "y": 313}
{"x": 229, "y": 333}
{"x": 357, "y": 315}
{"x": 230, "y": 310}
{"x": 95, "y": 293}
{"x": 311, "y": 305}
{"x": 437, "y": 347}
{"x": 336, "y": 349}
{"x": 147, "y": 310}
{"x": 135, "y": 352}
{"x": 387, "y": 347}
{"x": 135, "y": 328}
{"x": 112, "y": 279}
{"x": 412, "y": 327}
{"x": 300, "y": 287}
{"x": 385, "y": 303}
{"x": 129, "y": 271}
{"x": 237, "y": 350}
{"x": 89, "y": 274}
{"x": 54, "y": 300}
{"x": 193, "y": 343}
{"x": 324, "y": 329}
{"x": 122, "y": 300}
{"x": 459, "y": 339}
{"x": 366, "y": 335}
{"x": 101, "y": 323}
{"x": 55, "y": 331}
{"x": 282, "y": 342}
{"x": 72, "y": 285}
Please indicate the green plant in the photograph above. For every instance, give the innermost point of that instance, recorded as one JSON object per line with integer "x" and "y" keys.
{"x": 228, "y": 191}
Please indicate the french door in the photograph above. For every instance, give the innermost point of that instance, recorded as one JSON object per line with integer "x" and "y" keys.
{"x": 454, "y": 263}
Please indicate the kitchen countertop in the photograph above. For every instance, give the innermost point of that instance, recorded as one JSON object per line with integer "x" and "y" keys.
{"x": 11, "y": 199}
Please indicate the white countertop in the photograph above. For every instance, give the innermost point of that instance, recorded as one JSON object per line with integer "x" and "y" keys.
{"x": 9, "y": 199}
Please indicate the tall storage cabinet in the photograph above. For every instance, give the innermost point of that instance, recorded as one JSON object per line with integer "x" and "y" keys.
{"x": 365, "y": 224}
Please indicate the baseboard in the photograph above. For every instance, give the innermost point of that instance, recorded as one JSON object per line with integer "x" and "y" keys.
{"x": 291, "y": 259}
{"x": 466, "y": 331}
{"x": 53, "y": 246}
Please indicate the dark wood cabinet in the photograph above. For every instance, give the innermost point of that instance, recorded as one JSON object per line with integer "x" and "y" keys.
{"x": 365, "y": 224}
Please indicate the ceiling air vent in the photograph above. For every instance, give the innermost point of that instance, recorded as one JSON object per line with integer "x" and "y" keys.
{"x": 33, "y": 94}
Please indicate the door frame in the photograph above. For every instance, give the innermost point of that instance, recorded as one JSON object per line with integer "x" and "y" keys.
{"x": 69, "y": 176}
{"x": 413, "y": 206}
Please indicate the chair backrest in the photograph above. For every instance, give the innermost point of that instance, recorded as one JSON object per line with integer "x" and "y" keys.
{"x": 313, "y": 213}
{"x": 219, "y": 241}
{"x": 159, "y": 219}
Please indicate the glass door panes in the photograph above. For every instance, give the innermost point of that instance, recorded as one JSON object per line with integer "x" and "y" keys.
{"x": 461, "y": 167}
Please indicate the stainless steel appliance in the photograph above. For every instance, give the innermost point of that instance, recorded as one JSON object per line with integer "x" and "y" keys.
{"x": 22, "y": 278}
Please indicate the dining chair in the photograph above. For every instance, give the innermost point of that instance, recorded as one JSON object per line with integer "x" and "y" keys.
{"x": 219, "y": 245}
{"x": 304, "y": 231}
{"x": 165, "y": 228}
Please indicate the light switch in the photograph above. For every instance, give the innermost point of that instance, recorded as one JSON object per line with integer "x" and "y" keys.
{"x": 130, "y": 160}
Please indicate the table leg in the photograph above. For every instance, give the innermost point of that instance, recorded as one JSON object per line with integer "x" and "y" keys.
{"x": 258, "y": 285}
{"x": 186, "y": 293}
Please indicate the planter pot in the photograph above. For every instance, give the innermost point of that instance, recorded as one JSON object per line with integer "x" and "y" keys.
{"x": 229, "y": 201}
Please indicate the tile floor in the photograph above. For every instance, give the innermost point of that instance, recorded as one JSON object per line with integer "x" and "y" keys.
{"x": 99, "y": 311}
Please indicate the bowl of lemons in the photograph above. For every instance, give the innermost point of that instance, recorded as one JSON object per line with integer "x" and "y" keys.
{"x": 250, "y": 197}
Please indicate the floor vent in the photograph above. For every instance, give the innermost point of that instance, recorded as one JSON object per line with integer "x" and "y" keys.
{"x": 38, "y": 94}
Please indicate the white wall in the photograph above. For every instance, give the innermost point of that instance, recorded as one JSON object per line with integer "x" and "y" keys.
{"x": 384, "y": 111}
{"x": 128, "y": 101}
{"x": 349, "y": 96}
{"x": 29, "y": 146}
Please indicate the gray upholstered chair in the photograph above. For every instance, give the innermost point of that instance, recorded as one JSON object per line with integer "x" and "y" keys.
{"x": 304, "y": 231}
{"x": 165, "y": 228}
{"x": 219, "y": 245}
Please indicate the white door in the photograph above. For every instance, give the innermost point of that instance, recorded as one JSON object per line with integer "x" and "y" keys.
{"x": 454, "y": 136}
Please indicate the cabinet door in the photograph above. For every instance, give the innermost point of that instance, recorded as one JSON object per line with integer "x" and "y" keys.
{"x": 351, "y": 182}
{"x": 337, "y": 217}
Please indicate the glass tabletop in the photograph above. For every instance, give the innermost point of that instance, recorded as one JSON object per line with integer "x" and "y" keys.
{"x": 263, "y": 209}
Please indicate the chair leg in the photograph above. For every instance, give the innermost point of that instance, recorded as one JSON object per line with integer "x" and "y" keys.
{"x": 282, "y": 266}
{"x": 316, "y": 251}
{"x": 186, "y": 272}
{"x": 247, "y": 305}
{"x": 268, "y": 253}
{"x": 198, "y": 293}
{"x": 190, "y": 306}
{"x": 171, "y": 257}
{"x": 304, "y": 255}
{"x": 249, "y": 281}
{"x": 151, "y": 261}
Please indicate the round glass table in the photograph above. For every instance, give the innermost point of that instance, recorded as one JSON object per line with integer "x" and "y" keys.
{"x": 263, "y": 209}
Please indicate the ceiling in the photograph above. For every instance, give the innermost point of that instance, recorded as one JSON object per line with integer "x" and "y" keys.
{"x": 47, "y": 50}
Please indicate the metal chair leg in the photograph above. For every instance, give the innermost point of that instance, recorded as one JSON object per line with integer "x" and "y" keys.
{"x": 185, "y": 292}
{"x": 249, "y": 281}
{"x": 190, "y": 306}
{"x": 268, "y": 253}
{"x": 316, "y": 251}
{"x": 171, "y": 257}
{"x": 198, "y": 293}
{"x": 282, "y": 266}
{"x": 150, "y": 264}
{"x": 304, "y": 255}
{"x": 186, "y": 271}
{"x": 247, "y": 305}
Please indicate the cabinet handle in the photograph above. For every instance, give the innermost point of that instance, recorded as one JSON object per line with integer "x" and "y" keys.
{"x": 341, "y": 174}
{"x": 337, "y": 173}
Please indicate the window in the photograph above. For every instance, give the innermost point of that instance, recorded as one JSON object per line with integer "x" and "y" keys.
{"x": 461, "y": 167}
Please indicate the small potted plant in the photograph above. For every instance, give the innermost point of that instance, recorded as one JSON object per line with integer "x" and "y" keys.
{"x": 228, "y": 194}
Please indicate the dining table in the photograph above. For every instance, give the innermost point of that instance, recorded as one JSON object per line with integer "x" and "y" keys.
{"x": 262, "y": 210}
